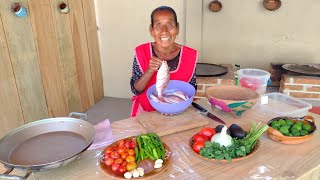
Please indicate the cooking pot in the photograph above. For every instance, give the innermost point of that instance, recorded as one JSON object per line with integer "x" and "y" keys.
{"x": 45, "y": 144}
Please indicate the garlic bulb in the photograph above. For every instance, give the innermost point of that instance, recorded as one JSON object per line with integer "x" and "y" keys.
{"x": 141, "y": 171}
{"x": 222, "y": 138}
{"x": 128, "y": 175}
{"x": 159, "y": 161}
{"x": 135, "y": 173}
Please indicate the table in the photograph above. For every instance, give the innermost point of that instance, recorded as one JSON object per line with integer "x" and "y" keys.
{"x": 273, "y": 160}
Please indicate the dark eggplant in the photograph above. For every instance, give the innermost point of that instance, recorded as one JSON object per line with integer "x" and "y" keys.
{"x": 219, "y": 128}
{"x": 237, "y": 131}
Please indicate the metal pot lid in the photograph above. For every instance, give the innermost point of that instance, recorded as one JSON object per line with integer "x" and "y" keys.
{"x": 306, "y": 69}
{"x": 210, "y": 70}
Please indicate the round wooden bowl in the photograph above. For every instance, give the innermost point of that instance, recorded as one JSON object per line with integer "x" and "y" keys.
{"x": 272, "y": 5}
{"x": 255, "y": 149}
{"x": 108, "y": 171}
{"x": 280, "y": 138}
{"x": 215, "y": 6}
{"x": 231, "y": 98}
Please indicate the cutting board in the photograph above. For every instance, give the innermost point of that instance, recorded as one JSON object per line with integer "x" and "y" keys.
{"x": 164, "y": 125}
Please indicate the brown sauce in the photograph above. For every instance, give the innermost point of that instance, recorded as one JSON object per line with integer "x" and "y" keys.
{"x": 47, "y": 148}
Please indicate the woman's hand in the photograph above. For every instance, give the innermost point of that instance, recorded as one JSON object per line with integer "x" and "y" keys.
{"x": 154, "y": 64}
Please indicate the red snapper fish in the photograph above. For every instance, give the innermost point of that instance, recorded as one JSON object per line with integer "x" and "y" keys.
{"x": 163, "y": 78}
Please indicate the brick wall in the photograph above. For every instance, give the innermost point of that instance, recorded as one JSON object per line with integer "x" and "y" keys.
{"x": 300, "y": 86}
{"x": 205, "y": 82}
{"x": 276, "y": 71}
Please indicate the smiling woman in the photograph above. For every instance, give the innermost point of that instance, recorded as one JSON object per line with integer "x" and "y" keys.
{"x": 164, "y": 28}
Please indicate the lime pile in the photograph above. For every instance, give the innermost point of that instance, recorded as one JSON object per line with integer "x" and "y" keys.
{"x": 290, "y": 128}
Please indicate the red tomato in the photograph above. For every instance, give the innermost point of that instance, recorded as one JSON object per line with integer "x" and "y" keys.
{"x": 115, "y": 148}
{"x": 130, "y": 158}
{"x": 114, "y": 155}
{"x": 124, "y": 163}
{"x": 124, "y": 156}
{"x": 122, "y": 150}
{"x": 132, "y": 144}
{"x": 200, "y": 137}
{"x": 109, "y": 161}
{"x": 122, "y": 169}
{"x": 119, "y": 160}
{"x": 121, "y": 143}
{"x": 131, "y": 152}
{"x": 127, "y": 143}
{"x": 106, "y": 156}
{"x": 115, "y": 167}
{"x": 208, "y": 131}
{"x": 197, "y": 146}
{"x": 131, "y": 166}
{"x": 108, "y": 150}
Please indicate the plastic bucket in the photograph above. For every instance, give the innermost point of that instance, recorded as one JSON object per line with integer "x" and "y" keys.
{"x": 254, "y": 79}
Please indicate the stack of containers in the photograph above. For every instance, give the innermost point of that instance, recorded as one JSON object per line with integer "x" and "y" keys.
{"x": 254, "y": 79}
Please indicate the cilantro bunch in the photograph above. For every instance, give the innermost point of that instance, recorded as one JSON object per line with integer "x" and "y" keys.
{"x": 239, "y": 147}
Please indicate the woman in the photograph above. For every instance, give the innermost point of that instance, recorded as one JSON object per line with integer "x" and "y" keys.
{"x": 164, "y": 28}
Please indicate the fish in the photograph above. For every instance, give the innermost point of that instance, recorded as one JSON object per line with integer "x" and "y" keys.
{"x": 163, "y": 78}
{"x": 171, "y": 99}
{"x": 156, "y": 99}
{"x": 179, "y": 94}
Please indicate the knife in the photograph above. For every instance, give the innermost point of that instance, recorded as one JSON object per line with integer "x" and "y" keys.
{"x": 206, "y": 113}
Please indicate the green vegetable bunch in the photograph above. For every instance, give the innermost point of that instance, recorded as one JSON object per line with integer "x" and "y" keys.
{"x": 239, "y": 147}
{"x": 149, "y": 146}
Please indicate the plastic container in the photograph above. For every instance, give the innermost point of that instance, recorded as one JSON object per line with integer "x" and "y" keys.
{"x": 283, "y": 105}
{"x": 254, "y": 79}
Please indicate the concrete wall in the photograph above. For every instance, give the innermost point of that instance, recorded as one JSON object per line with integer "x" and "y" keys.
{"x": 123, "y": 25}
{"x": 243, "y": 32}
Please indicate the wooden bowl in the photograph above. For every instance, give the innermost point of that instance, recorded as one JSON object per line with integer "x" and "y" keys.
{"x": 280, "y": 138}
{"x": 272, "y": 5}
{"x": 233, "y": 99}
{"x": 215, "y": 6}
{"x": 255, "y": 149}
{"x": 108, "y": 171}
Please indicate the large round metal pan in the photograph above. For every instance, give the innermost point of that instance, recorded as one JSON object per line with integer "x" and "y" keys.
{"x": 305, "y": 69}
{"x": 210, "y": 70}
{"x": 46, "y": 144}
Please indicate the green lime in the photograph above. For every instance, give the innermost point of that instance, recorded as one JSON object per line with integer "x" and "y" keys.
{"x": 274, "y": 127}
{"x": 284, "y": 130}
{"x": 299, "y": 123}
{"x": 295, "y": 133}
{"x": 281, "y": 121}
{"x": 275, "y": 124}
{"x": 287, "y": 134}
{"x": 303, "y": 133}
{"x": 286, "y": 126}
{"x": 297, "y": 127}
{"x": 307, "y": 127}
{"x": 289, "y": 122}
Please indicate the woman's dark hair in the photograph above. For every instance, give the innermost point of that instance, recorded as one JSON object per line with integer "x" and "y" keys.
{"x": 164, "y": 8}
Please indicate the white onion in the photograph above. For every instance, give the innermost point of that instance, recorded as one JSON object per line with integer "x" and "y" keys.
{"x": 222, "y": 138}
